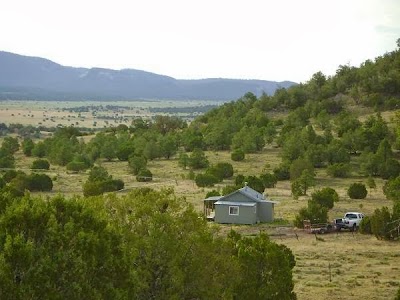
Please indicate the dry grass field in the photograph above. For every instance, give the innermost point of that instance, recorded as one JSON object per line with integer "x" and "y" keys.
{"x": 64, "y": 113}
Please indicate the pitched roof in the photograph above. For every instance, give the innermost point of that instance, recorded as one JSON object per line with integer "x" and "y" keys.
{"x": 249, "y": 193}
{"x": 235, "y": 203}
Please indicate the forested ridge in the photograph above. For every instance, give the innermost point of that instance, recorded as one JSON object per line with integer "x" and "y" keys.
{"x": 149, "y": 244}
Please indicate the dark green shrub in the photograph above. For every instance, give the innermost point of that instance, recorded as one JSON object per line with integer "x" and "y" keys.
{"x": 313, "y": 212}
{"x": 39, "y": 182}
{"x": 204, "y": 180}
{"x": 380, "y": 223}
{"x": 225, "y": 168}
{"x": 339, "y": 170}
{"x": 144, "y": 175}
{"x": 365, "y": 225}
{"x": 27, "y": 146}
{"x": 269, "y": 180}
{"x": 282, "y": 172}
{"x": 10, "y": 175}
{"x": 112, "y": 185}
{"x": 325, "y": 197}
{"x": 391, "y": 189}
{"x": 198, "y": 159}
{"x": 357, "y": 191}
{"x": 137, "y": 163}
{"x": 237, "y": 155}
{"x": 212, "y": 194}
{"x": 76, "y": 166}
{"x": 40, "y": 164}
{"x": 255, "y": 183}
{"x": 390, "y": 169}
{"x": 239, "y": 180}
{"x": 230, "y": 189}
{"x": 92, "y": 188}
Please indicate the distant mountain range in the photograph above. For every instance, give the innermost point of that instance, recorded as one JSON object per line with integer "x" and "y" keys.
{"x": 35, "y": 78}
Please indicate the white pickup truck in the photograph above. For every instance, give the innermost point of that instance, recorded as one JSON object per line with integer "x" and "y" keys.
{"x": 351, "y": 220}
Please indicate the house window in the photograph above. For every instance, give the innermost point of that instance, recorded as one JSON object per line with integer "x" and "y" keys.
{"x": 234, "y": 210}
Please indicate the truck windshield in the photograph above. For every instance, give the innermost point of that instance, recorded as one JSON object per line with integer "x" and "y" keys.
{"x": 351, "y": 216}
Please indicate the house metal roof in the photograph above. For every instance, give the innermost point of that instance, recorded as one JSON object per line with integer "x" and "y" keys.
{"x": 247, "y": 191}
{"x": 235, "y": 203}
{"x": 213, "y": 198}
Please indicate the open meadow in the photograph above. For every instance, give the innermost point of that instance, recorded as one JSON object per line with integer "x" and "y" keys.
{"x": 94, "y": 114}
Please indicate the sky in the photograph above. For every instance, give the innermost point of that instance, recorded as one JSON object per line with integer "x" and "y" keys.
{"x": 192, "y": 39}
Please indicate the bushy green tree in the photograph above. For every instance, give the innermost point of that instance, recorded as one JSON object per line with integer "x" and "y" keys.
{"x": 269, "y": 180}
{"x": 168, "y": 145}
{"x": 60, "y": 249}
{"x": 212, "y": 194}
{"x": 42, "y": 164}
{"x": 40, "y": 149}
{"x": 255, "y": 183}
{"x": 338, "y": 170}
{"x": 365, "y": 225}
{"x": 39, "y": 182}
{"x": 76, "y": 166}
{"x": 27, "y": 146}
{"x": 266, "y": 268}
{"x": 314, "y": 212}
{"x": 7, "y": 160}
{"x": 391, "y": 189}
{"x": 144, "y": 175}
{"x": 303, "y": 183}
{"x": 10, "y": 145}
{"x": 299, "y": 166}
{"x": 198, "y": 159}
{"x": 205, "y": 180}
{"x": 380, "y": 223}
{"x": 282, "y": 172}
{"x": 250, "y": 139}
{"x": 237, "y": 155}
{"x": 357, "y": 191}
{"x": 325, "y": 197}
{"x": 137, "y": 163}
{"x": 221, "y": 171}
{"x": 99, "y": 182}
{"x": 183, "y": 160}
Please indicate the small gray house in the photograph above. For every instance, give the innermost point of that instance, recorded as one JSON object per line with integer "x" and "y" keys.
{"x": 244, "y": 206}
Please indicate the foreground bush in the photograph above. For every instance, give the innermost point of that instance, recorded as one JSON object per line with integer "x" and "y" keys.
{"x": 144, "y": 245}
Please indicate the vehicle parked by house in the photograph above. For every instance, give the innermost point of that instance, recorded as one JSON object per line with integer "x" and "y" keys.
{"x": 351, "y": 221}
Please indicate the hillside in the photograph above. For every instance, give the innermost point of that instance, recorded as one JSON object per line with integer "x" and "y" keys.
{"x": 304, "y": 147}
{"x": 24, "y": 77}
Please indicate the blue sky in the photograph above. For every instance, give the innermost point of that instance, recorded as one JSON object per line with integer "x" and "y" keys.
{"x": 252, "y": 39}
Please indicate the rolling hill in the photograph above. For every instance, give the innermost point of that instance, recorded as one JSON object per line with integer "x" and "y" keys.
{"x": 25, "y": 78}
